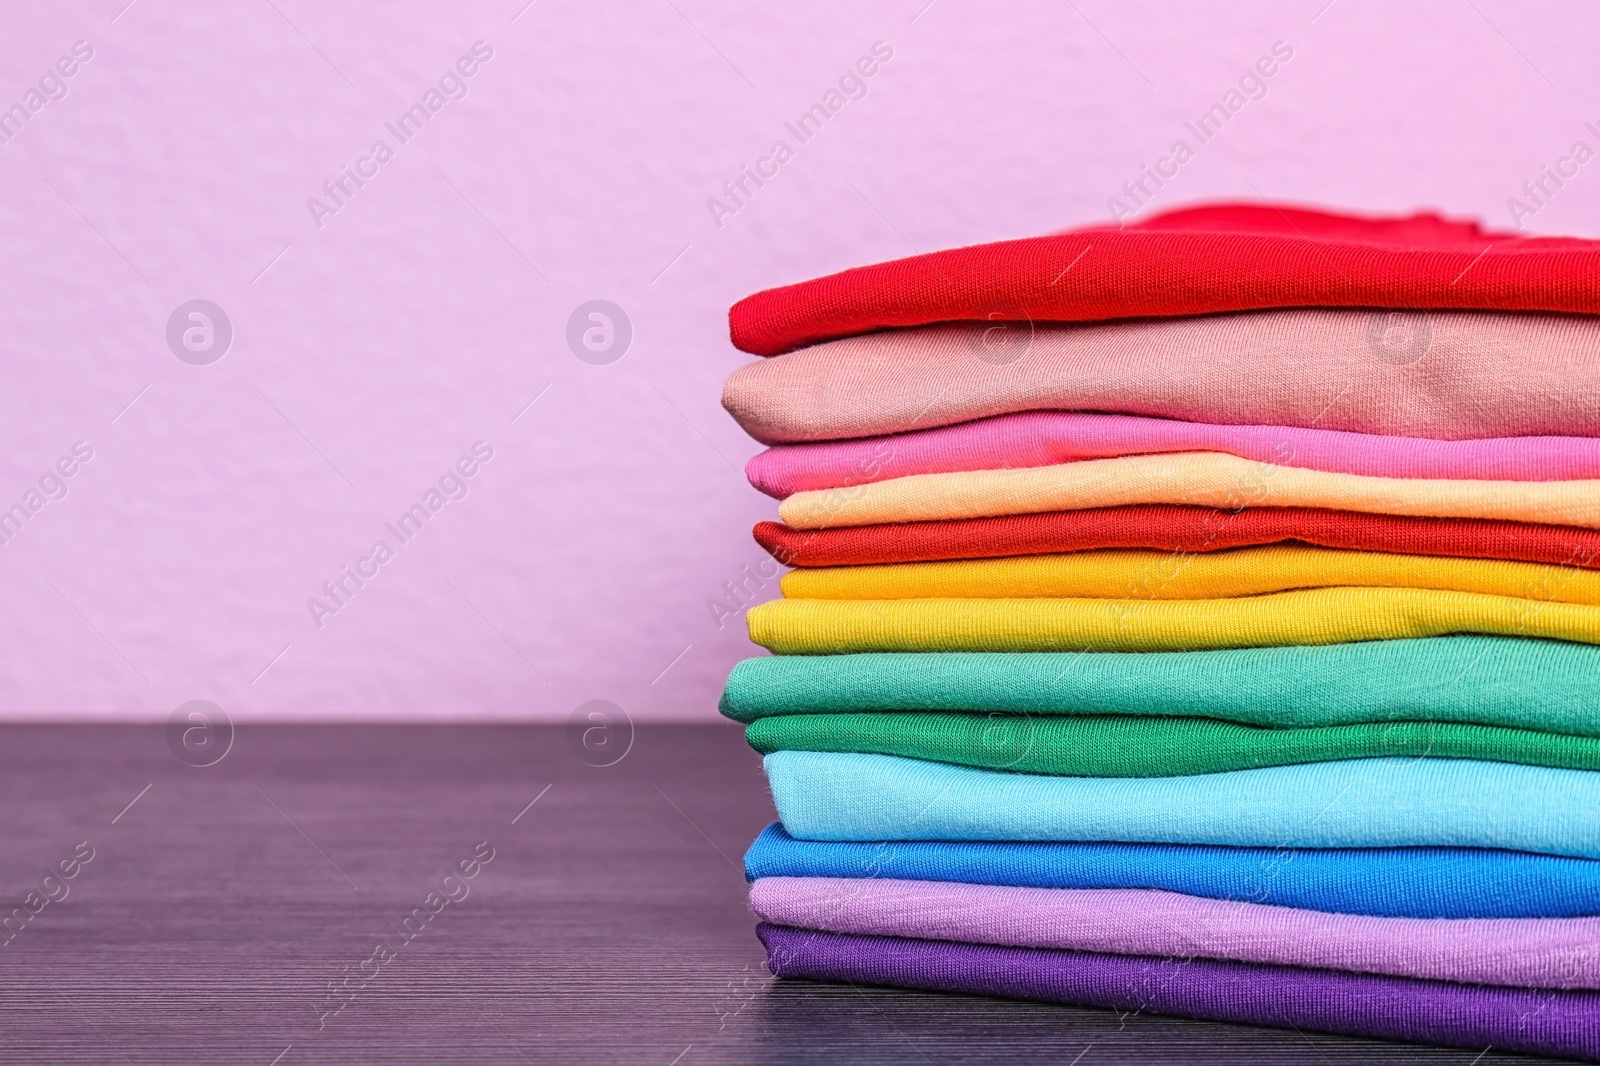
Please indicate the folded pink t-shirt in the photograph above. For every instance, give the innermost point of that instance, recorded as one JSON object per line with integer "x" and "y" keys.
{"x": 1045, "y": 438}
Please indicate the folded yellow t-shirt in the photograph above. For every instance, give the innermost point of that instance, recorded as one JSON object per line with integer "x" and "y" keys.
{"x": 1157, "y": 575}
{"x": 1314, "y": 616}
{"x": 1210, "y": 479}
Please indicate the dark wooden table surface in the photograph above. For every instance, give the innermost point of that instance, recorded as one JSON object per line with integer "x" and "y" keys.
{"x": 609, "y": 927}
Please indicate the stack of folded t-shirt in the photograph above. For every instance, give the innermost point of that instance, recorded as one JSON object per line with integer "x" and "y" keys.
{"x": 1198, "y": 617}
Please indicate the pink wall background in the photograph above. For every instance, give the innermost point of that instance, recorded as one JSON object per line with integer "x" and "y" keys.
{"x": 370, "y": 353}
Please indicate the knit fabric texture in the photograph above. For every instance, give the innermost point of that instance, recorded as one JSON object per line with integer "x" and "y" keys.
{"x": 1154, "y": 575}
{"x": 1454, "y": 375}
{"x": 1046, "y": 438}
{"x": 1429, "y": 882}
{"x": 1541, "y": 1021}
{"x": 1181, "y": 529}
{"x": 1223, "y": 257}
{"x": 1138, "y": 746}
{"x": 1354, "y": 804}
{"x": 1525, "y": 952}
{"x": 1211, "y": 479}
{"x": 1314, "y": 616}
{"x": 1541, "y": 685}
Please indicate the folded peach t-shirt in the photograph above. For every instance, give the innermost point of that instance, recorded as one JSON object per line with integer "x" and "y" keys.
{"x": 1448, "y": 375}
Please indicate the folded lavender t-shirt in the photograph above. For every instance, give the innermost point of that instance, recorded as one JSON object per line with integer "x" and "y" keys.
{"x": 1520, "y": 952}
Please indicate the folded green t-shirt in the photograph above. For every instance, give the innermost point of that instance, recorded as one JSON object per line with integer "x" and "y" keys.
{"x": 1544, "y": 685}
{"x": 1134, "y": 746}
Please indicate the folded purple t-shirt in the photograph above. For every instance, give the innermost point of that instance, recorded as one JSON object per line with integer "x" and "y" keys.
{"x": 1394, "y": 1008}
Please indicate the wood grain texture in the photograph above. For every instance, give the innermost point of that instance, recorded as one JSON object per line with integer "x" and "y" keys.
{"x": 610, "y": 927}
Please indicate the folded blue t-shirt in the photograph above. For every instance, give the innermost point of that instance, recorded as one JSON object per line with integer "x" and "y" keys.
{"x": 1386, "y": 882}
{"x": 1352, "y": 803}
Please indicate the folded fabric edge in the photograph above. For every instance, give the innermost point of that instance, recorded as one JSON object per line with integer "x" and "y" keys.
{"x": 1129, "y": 746}
{"x": 1160, "y": 923}
{"x": 1179, "y": 528}
{"x": 1395, "y": 1008}
{"x": 1046, "y": 437}
{"x": 1196, "y": 478}
{"x": 1301, "y": 617}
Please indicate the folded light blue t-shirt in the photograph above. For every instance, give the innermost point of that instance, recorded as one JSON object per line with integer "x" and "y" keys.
{"x": 1352, "y": 803}
{"x": 1384, "y": 882}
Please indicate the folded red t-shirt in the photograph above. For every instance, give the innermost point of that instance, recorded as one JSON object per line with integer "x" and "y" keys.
{"x": 1225, "y": 257}
{"x": 1179, "y": 528}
